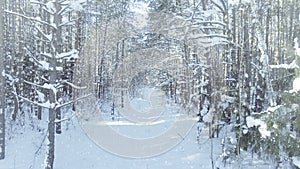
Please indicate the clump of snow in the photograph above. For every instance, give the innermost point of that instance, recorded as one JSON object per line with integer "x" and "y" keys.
{"x": 204, "y": 110}
{"x": 226, "y": 101}
{"x": 251, "y": 122}
{"x": 296, "y": 161}
{"x": 295, "y": 107}
{"x": 76, "y": 5}
{"x": 273, "y": 109}
{"x": 45, "y": 65}
{"x": 245, "y": 130}
{"x": 48, "y": 36}
{"x": 48, "y": 86}
{"x": 47, "y": 104}
{"x": 297, "y": 47}
{"x": 296, "y": 84}
{"x": 41, "y": 96}
{"x": 59, "y": 68}
{"x": 263, "y": 131}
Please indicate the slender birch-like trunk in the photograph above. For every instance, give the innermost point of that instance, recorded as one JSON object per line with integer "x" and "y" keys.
{"x": 2, "y": 85}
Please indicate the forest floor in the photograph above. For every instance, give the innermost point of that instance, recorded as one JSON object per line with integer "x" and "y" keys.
{"x": 26, "y": 149}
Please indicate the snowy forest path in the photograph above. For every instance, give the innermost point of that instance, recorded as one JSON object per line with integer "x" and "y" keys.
{"x": 155, "y": 131}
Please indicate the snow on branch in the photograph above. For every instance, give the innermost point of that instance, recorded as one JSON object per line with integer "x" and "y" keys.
{"x": 48, "y": 37}
{"x": 47, "y": 55}
{"x": 292, "y": 65}
{"x": 262, "y": 126}
{"x": 30, "y": 18}
{"x": 45, "y": 105}
{"x": 296, "y": 84}
{"x": 72, "y": 101}
{"x": 212, "y": 39}
{"x": 208, "y": 22}
{"x": 211, "y": 36}
{"x": 65, "y": 119}
{"x": 43, "y": 64}
{"x": 33, "y": 84}
{"x": 10, "y": 78}
{"x": 68, "y": 55}
{"x": 44, "y": 86}
{"x": 67, "y": 23}
{"x": 73, "y": 85}
{"x": 296, "y": 161}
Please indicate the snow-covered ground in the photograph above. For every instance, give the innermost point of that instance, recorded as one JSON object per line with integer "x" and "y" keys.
{"x": 75, "y": 150}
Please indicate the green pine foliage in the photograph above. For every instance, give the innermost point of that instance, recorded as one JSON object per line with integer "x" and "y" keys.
{"x": 283, "y": 122}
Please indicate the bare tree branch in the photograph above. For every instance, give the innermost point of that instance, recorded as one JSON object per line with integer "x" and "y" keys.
{"x": 73, "y": 101}
{"x": 30, "y": 18}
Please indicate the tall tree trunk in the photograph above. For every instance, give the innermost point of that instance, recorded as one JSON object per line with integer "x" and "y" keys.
{"x": 2, "y": 84}
{"x": 264, "y": 59}
{"x": 292, "y": 10}
{"x": 56, "y": 44}
{"x": 51, "y": 138}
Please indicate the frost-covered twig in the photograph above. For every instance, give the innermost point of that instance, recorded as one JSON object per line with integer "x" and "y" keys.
{"x": 71, "y": 54}
{"x": 211, "y": 36}
{"x": 30, "y": 18}
{"x": 73, "y": 85}
{"x": 34, "y": 84}
{"x": 70, "y": 102}
{"x": 45, "y": 105}
{"x": 48, "y": 37}
{"x": 65, "y": 119}
{"x": 67, "y": 23}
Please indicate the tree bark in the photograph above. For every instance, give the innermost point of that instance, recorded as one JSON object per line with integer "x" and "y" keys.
{"x": 2, "y": 84}
{"x": 51, "y": 139}
{"x": 269, "y": 96}
{"x": 56, "y": 44}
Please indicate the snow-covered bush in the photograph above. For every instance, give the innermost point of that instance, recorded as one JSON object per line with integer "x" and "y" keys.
{"x": 273, "y": 134}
